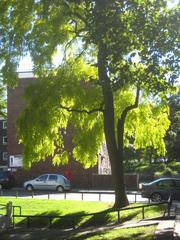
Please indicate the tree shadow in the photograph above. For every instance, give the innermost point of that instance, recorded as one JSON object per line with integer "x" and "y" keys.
{"x": 106, "y": 217}
{"x": 130, "y": 216}
{"x": 76, "y": 220}
{"x": 101, "y": 234}
{"x": 52, "y": 219}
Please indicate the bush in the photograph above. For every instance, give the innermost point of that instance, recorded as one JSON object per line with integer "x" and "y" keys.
{"x": 158, "y": 169}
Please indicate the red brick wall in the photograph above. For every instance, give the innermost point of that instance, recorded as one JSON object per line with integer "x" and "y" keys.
{"x": 3, "y": 148}
{"x": 15, "y": 105}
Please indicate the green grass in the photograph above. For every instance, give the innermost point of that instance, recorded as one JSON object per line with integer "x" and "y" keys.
{"x": 138, "y": 233}
{"x": 75, "y": 208}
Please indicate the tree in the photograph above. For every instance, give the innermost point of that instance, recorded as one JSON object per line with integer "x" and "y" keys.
{"x": 3, "y": 106}
{"x": 173, "y": 134}
{"x": 115, "y": 52}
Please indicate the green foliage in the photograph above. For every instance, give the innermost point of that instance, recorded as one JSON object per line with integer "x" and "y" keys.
{"x": 147, "y": 124}
{"x": 140, "y": 40}
{"x": 62, "y": 93}
{"x": 3, "y": 104}
{"x": 157, "y": 169}
{"x": 172, "y": 138}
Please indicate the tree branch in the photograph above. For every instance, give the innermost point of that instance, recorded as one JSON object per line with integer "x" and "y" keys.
{"x": 75, "y": 13}
{"x": 100, "y": 109}
{"x": 121, "y": 120}
{"x": 129, "y": 108}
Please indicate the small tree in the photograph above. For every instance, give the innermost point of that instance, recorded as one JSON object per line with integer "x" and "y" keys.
{"x": 114, "y": 53}
{"x": 3, "y": 106}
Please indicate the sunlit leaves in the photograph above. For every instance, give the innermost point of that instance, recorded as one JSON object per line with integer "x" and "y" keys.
{"x": 3, "y": 105}
{"x": 147, "y": 124}
{"x": 141, "y": 39}
{"x": 54, "y": 102}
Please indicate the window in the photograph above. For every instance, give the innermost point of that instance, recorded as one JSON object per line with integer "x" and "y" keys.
{"x": 52, "y": 178}
{"x": 5, "y": 156}
{"x": 166, "y": 184}
{"x": 5, "y": 140}
{"x": 4, "y": 124}
{"x": 43, "y": 178}
{"x": 177, "y": 183}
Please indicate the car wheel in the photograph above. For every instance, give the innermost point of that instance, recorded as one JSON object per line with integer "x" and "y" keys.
{"x": 156, "y": 197}
{"x": 60, "y": 189}
{"x": 29, "y": 187}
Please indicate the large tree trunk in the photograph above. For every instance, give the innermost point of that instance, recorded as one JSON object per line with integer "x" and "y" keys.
{"x": 114, "y": 150}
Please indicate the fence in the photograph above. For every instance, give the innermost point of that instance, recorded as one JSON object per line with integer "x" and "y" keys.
{"x": 72, "y": 219}
{"x": 65, "y": 195}
{"x": 6, "y": 216}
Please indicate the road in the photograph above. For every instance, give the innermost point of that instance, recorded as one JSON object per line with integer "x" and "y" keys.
{"x": 104, "y": 196}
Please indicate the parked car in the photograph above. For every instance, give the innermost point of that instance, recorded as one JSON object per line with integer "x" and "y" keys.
{"x": 7, "y": 180}
{"x": 161, "y": 189}
{"x": 48, "y": 182}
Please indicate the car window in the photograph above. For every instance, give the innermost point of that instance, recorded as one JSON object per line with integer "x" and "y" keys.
{"x": 3, "y": 174}
{"x": 43, "y": 177}
{"x": 177, "y": 183}
{"x": 165, "y": 183}
{"x": 52, "y": 178}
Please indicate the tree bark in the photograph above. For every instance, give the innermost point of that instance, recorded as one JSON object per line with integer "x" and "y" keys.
{"x": 115, "y": 152}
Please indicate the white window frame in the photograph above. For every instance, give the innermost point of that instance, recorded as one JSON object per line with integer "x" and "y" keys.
{"x": 5, "y": 156}
{"x": 5, "y": 142}
{"x": 4, "y": 124}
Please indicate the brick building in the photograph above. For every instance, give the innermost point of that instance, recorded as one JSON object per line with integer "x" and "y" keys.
{"x": 3, "y": 145}
{"x": 81, "y": 178}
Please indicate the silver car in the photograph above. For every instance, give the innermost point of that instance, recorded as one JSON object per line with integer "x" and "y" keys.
{"x": 48, "y": 182}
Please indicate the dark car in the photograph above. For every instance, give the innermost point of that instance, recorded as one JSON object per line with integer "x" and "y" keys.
{"x": 161, "y": 189}
{"x": 7, "y": 180}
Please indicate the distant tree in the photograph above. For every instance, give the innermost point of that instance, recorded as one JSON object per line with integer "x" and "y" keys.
{"x": 173, "y": 134}
{"x": 117, "y": 55}
{"x": 3, "y": 103}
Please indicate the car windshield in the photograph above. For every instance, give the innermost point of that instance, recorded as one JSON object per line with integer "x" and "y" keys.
{"x": 155, "y": 181}
{"x": 163, "y": 181}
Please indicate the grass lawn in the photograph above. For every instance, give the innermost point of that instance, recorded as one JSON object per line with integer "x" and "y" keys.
{"x": 138, "y": 233}
{"x": 74, "y": 208}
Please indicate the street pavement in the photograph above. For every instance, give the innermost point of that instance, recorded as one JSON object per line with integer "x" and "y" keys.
{"x": 85, "y": 195}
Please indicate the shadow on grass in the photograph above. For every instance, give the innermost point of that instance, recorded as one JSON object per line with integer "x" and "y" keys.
{"x": 101, "y": 234}
{"x": 106, "y": 217}
{"x": 75, "y": 220}
{"x": 51, "y": 219}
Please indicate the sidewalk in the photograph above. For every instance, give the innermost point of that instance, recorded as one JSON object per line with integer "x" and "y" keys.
{"x": 164, "y": 230}
{"x": 57, "y": 234}
{"x": 169, "y": 229}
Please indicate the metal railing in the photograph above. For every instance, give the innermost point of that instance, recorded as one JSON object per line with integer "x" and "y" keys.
{"x": 169, "y": 204}
{"x": 64, "y": 195}
{"x": 72, "y": 219}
